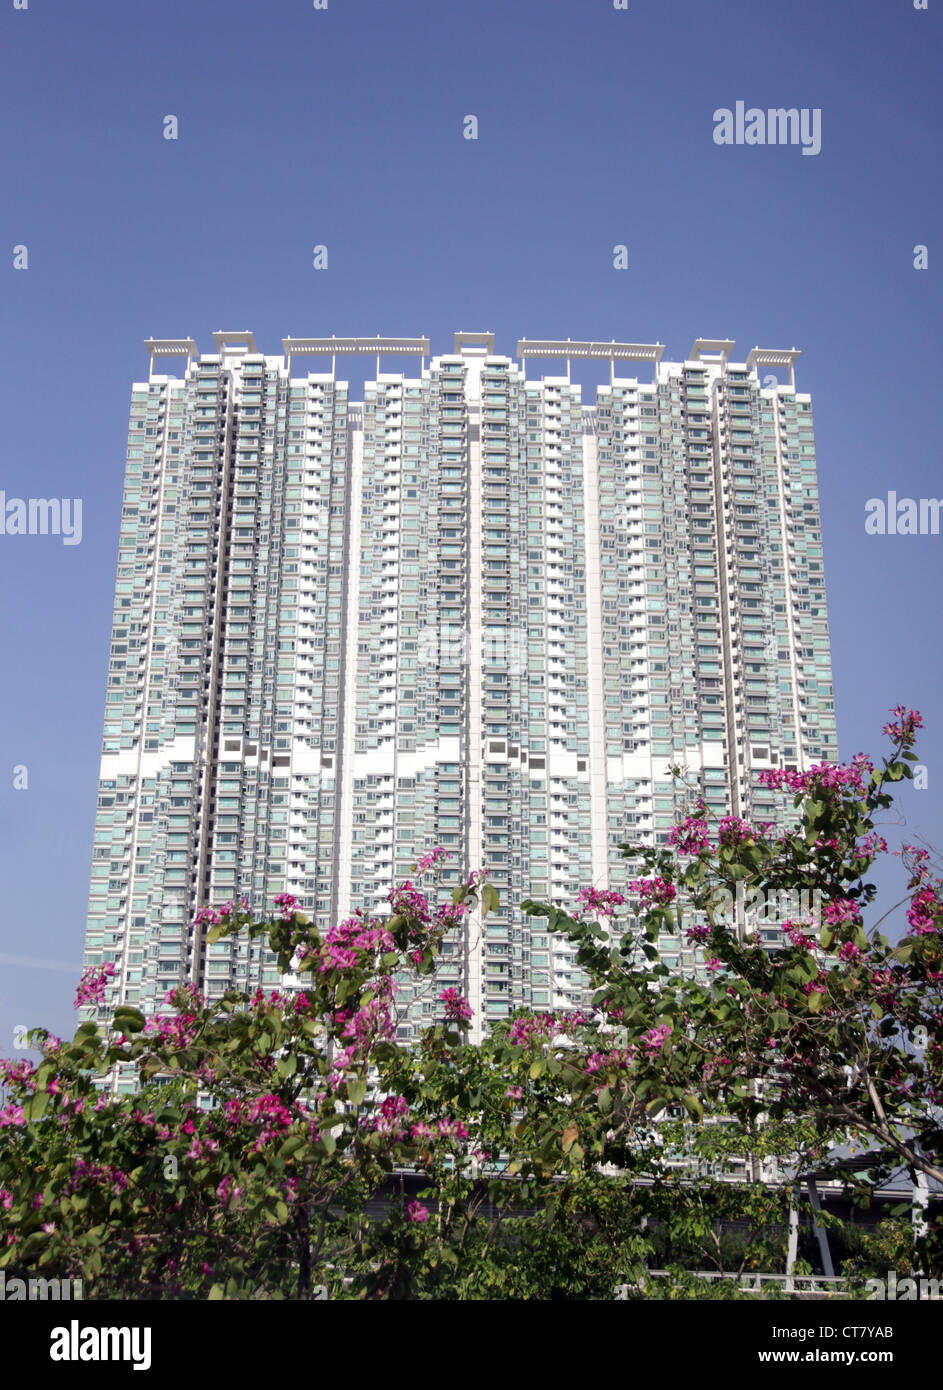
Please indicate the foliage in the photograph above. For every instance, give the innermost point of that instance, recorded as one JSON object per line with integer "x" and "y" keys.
{"x": 558, "y": 1158}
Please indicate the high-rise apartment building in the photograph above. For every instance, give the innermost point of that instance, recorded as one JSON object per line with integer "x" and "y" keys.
{"x": 468, "y": 610}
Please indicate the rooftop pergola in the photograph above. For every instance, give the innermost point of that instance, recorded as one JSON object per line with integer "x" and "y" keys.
{"x": 347, "y": 347}
{"x": 706, "y": 350}
{"x": 776, "y": 357}
{"x": 590, "y": 351}
{"x": 170, "y": 347}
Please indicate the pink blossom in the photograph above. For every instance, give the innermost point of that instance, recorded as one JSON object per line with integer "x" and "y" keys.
{"x": 821, "y": 777}
{"x": 653, "y": 892}
{"x": 452, "y": 1129}
{"x": 604, "y": 901}
{"x": 94, "y": 981}
{"x": 903, "y": 731}
{"x": 842, "y": 911}
{"x": 175, "y": 1031}
{"x": 450, "y": 914}
{"x": 692, "y": 836}
{"x": 732, "y": 831}
{"x": 17, "y": 1072}
{"x": 619, "y": 1059}
{"x": 227, "y": 1191}
{"x": 428, "y": 860}
{"x": 794, "y": 933}
{"x": 917, "y": 860}
{"x": 529, "y": 1027}
{"x": 417, "y": 1212}
{"x": 655, "y": 1038}
{"x": 457, "y": 1007}
{"x": 925, "y": 912}
{"x": 407, "y": 901}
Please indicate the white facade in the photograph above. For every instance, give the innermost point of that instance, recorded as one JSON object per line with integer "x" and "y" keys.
{"x": 470, "y": 610}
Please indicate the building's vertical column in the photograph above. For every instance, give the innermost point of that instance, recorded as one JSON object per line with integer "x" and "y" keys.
{"x": 598, "y": 798}
{"x": 217, "y": 598}
{"x": 474, "y": 943}
{"x": 345, "y": 780}
{"x": 727, "y": 534}
{"x": 800, "y": 522}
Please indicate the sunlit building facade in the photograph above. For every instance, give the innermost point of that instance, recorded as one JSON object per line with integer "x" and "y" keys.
{"x": 469, "y": 609}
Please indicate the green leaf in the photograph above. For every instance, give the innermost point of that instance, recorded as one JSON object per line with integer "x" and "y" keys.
{"x": 356, "y": 1091}
{"x": 605, "y": 1101}
{"x": 44, "y": 1075}
{"x": 292, "y": 1144}
{"x": 287, "y": 1066}
{"x": 569, "y": 1137}
{"x": 693, "y": 1107}
{"x": 36, "y": 1105}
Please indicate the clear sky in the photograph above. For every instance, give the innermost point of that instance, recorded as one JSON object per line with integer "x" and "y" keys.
{"x": 343, "y": 127}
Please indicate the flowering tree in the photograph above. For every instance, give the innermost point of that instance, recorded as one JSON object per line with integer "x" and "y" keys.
{"x": 553, "y": 1159}
{"x": 837, "y": 1025}
{"x": 244, "y": 1164}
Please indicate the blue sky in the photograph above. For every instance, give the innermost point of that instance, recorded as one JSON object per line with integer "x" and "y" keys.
{"x": 343, "y": 127}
